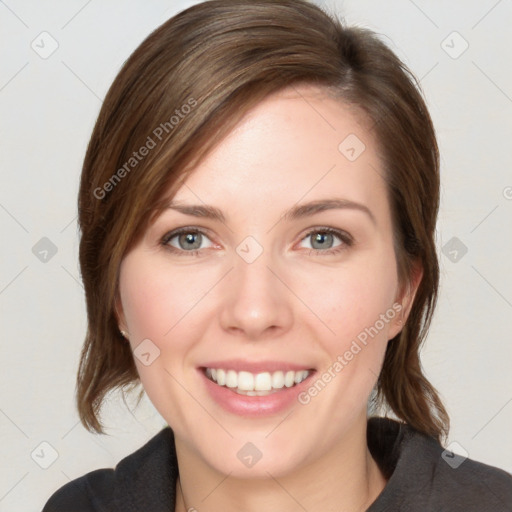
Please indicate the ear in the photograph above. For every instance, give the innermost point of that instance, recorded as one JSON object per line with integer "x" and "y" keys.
{"x": 405, "y": 298}
{"x": 119, "y": 313}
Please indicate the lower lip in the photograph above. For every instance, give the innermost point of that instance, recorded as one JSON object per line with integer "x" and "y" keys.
{"x": 254, "y": 406}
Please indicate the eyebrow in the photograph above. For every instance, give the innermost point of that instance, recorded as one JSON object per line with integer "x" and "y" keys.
{"x": 297, "y": 212}
{"x": 307, "y": 209}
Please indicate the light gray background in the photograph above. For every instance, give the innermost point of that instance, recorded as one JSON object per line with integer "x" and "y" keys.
{"x": 47, "y": 110}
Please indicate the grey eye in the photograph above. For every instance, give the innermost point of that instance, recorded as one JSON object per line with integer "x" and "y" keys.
{"x": 190, "y": 240}
{"x": 322, "y": 240}
{"x": 187, "y": 240}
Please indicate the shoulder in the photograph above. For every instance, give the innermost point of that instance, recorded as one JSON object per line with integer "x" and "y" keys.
{"x": 468, "y": 485}
{"x": 83, "y": 494}
{"x": 423, "y": 476}
{"x": 144, "y": 478}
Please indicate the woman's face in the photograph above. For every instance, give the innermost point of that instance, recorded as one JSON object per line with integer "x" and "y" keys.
{"x": 284, "y": 270}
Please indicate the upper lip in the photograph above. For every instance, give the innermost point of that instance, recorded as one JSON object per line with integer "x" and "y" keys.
{"x": 240, "y": 365}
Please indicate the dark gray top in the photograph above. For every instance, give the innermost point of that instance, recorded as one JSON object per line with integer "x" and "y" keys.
{"x": 422, "y": 477}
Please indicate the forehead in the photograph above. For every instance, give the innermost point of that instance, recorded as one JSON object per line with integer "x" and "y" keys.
{"x": 297, "y": 142}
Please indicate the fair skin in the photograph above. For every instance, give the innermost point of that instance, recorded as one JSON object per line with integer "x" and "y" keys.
{"x": 302, "y": 301}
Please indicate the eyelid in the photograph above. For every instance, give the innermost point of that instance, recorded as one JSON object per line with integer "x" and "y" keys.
{"x": 341, "y": 233}
{"x": 185, "y": 229}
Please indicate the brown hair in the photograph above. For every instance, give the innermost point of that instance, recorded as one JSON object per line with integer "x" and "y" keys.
{"x": 182, "y": 90}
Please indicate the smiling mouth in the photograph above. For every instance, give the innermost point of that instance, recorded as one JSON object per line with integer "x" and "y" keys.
{"x": 256, "y": 384}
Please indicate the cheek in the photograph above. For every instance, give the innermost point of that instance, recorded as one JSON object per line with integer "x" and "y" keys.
{"x": 351, "y": 299}
{"x": 157, "y": 302}
{"x": 162, "y": 306}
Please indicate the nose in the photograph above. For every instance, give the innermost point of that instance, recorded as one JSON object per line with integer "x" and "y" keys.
{"x": 256, "y": 302}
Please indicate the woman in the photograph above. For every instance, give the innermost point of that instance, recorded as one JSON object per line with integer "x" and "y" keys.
{"x": 257, "y": 206}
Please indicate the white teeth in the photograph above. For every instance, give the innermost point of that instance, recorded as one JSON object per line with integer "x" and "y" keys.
{"x": 221, "y": 377}
{"x": 263, "y": 382}
{"x": 298, "y": 377}
{"x": 231, "y": 379}
{"x": 289, "y": 379}
{"x": 278, "y": 380}
{"x": 246, "y": 383}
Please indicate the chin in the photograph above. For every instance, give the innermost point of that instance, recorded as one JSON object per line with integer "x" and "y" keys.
{"x": 256, "y": 456}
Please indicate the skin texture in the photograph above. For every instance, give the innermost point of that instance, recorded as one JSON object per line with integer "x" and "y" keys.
{"x": 293, "y": 303}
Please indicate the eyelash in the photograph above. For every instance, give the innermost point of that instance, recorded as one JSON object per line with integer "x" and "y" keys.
{"x": 344, "y": 237}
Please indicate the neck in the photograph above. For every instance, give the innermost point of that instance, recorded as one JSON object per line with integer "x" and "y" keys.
{"x": 346, "y": 478}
